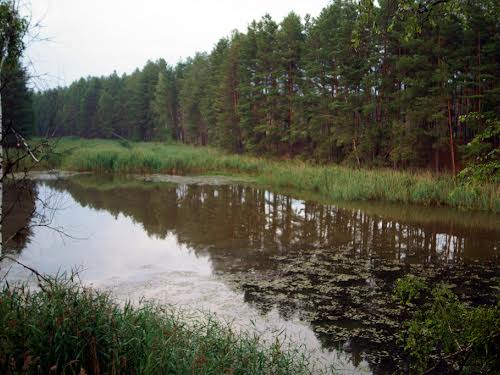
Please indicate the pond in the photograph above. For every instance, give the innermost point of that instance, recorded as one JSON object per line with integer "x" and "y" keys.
{"x": 318, "y": 275}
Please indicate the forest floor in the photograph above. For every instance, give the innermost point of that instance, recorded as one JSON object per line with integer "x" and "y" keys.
{"x": 329, "y": 182}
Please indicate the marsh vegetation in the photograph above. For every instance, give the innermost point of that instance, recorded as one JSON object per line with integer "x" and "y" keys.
{"x": 330, "y": 182}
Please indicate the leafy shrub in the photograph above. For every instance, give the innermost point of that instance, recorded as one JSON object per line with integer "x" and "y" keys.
{"x": 409, "y": 289}
{"x": 447, "y": 336}
{"x": 483, "y": 152}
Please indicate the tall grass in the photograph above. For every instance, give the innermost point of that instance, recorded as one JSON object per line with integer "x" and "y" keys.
{"x": 112, "y": 156}
{"x": 331, "y": 182}
{"x": 67, "y": 329}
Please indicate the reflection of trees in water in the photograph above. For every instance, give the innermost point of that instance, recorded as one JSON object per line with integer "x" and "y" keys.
{"x": 334, "y": 267}
{"x": 238, "y": 220}
{"x": 19, "y": 199}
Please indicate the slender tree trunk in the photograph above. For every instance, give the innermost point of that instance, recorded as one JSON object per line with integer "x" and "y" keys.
{"x": 436, "y": 160}
{"x": 478, "y": 71}
{"x": 290, "y": 115}
{"x": 2, "y": 63}
{"x": 354, "y": 147}
{"x": 172, "y": 118}
{"x": 181, "y": 127}
{"x": 1, "y": 165}
{"x": 452, "y": 146}
{"x": 450, "y": 128}
{"x": 356, "y": 151}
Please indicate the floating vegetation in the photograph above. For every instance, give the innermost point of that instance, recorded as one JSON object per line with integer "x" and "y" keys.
{"x": 356, "y": 307}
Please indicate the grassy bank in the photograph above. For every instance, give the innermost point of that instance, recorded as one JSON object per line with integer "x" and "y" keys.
{"x": 331, "y": 182}
{"x": 66, "y": 329}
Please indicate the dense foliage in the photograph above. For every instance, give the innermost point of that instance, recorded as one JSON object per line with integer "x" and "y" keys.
{"x": 368, "y": 84}
{"x": 17, "y": 102}
{"x": 483, "y": 152}
{"x": 66, "y": 329}
{"x": 15, "y": 97}
{"x": 445, "y": 335}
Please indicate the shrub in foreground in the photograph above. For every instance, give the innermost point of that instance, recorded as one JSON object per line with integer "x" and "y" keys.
{"x": 446, "y": 335}
{"x": 68, "y": 329}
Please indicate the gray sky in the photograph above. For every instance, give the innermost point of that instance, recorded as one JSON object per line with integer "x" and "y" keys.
{"x": 95, "y": 37}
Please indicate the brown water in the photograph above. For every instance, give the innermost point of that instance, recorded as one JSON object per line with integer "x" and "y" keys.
{"x": 321, "y": 275}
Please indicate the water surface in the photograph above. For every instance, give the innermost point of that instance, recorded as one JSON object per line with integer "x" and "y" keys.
{"x": 321, "y": 274}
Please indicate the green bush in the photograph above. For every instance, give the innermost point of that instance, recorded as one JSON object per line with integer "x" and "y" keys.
{"x": 446, "y": 335}
{"x": 409, "y": 289}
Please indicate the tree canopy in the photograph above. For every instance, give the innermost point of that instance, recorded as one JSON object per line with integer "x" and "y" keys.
{"x": 15, "y": 97}
{"x": 373, "y": 84}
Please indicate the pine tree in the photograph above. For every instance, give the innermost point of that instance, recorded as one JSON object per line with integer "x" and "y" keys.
{"x": 162, "y": 117}
{"x": 291, "y": 40}
{"x": 88, "y": 106}
{"x": 193, "y": 91}
{"x": 228, "y": 128}
{"x": 106, "y": 115}
{"x": 17, "y": 103}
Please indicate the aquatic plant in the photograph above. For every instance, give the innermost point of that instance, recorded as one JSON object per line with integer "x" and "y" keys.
{"x": 409, "y": 289}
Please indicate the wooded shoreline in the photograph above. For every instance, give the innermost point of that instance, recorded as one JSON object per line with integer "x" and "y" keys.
{"x": 384, "y": 84}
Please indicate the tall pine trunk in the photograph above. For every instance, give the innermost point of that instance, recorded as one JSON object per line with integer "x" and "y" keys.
{"x": 1, "y": 162}
{"x": 2, "y": 63}
{"x": 452, "y": 146}
{"x": 478, "y": 71}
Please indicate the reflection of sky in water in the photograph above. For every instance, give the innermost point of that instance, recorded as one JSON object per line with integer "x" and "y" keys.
{"x": 106, "y": 247}
{"x": 116, "y": 253}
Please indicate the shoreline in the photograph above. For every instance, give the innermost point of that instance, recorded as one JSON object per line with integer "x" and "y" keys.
{"x": 330, "y": 182}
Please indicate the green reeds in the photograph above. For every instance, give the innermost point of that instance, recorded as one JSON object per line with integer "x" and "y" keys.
{"x": 68, "y": 329}
{"x": 331, "y": 182}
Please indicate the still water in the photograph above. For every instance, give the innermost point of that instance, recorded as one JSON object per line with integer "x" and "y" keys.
{"x": 319, "y": 275}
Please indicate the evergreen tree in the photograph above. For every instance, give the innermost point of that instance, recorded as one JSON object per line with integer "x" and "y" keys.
{"x": 106, "y": 115}
{"x": 291, "y": 40}
{"x": 365, "y": 83}
{"x": 193, "y": 90}
{"x": 160, "y": 106}
{"x": 228, "y": 133}
{"x": 88, "y": 107}
{"x": 17, "y": 104}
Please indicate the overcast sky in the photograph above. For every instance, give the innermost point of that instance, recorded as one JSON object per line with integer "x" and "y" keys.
{"x": 96, "y": 37}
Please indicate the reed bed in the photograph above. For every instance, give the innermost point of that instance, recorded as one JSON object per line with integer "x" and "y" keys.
{"x": 332, "y": 182}
{"x": 65, "y": 328}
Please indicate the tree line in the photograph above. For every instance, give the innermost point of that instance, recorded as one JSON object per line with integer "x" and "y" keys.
{"x": 387, "y": 84}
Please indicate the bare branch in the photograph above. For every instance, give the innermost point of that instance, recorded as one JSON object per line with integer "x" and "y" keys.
{"x": 22, "y": 140}
{"x": 38, "y": 275}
